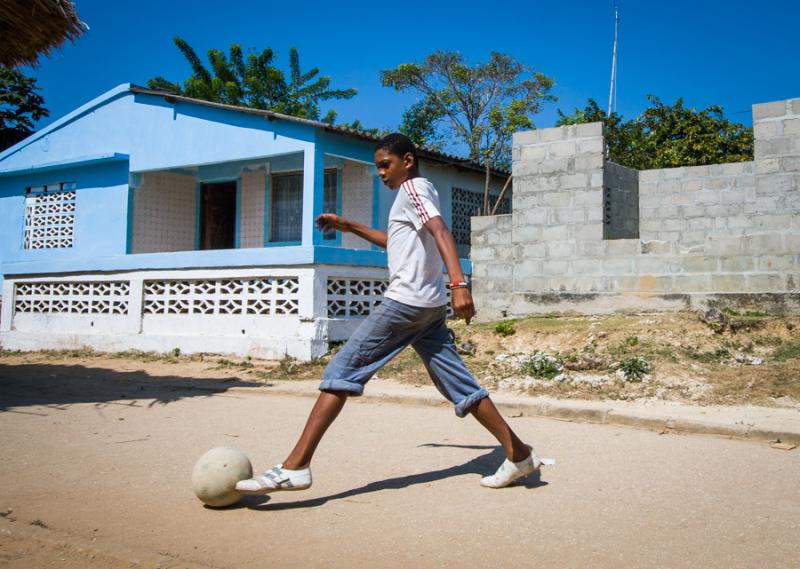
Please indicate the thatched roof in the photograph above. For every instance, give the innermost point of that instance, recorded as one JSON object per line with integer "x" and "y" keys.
{"x": 29, "y": 28}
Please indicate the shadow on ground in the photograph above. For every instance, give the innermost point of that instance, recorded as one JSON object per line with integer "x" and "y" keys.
{"x": 480, "y": 465}
{"x": 27, "y": 385}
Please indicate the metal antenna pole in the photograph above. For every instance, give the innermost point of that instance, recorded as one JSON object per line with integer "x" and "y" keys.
{"x": 612, "y": 92}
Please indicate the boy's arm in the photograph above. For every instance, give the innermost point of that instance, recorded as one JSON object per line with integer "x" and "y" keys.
{"x": 328, "y": 221}
{"x": 461, "y": 297}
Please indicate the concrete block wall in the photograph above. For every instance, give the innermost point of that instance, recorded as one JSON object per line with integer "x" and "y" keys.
{"x": 251, "y": 226}
{"x": 723, "y": 234}
{"x": 357, "y": 194}
{"x": 164, "y": 213}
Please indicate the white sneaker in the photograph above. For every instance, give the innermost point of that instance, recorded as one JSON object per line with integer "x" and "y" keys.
{"x": 511, "y": 471}
{"x": 274, "y": 479}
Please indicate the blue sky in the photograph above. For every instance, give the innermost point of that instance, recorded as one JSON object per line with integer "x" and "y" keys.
{"x": 732, "y": 53}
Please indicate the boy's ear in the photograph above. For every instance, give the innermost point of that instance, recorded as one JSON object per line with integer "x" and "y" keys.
{"x": 408, "y": 160}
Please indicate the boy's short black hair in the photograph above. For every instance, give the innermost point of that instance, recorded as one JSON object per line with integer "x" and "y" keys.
{"x": 399, "y": 145}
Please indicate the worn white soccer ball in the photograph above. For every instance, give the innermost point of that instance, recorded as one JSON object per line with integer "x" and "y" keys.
{"x": 215, "y": 475}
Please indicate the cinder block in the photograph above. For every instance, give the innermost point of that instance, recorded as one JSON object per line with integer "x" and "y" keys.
{"x": 587, "y": 267}
{"x": 627, "y": 247}
{"x": 770, "y": 243}
{"x": 558, "y": 165}
{"x": 700, "y": 264}
{"x": 589, "y": 161}
{"x": 591, "y": 129}
{"x": 772, "y": 221}
{"x": 693, "y": 185}
{"x": 764, "y": 283}
{"x": 595, "y": 248}
{"x": 706, "y": 196}
{"x": 526, "y": 233}
{"x": 794, "y": 105}
{"x": 596, "y": 179}
{"x": 497, "y": 238}
{"x": 768, "y": 166}
{"x": 698, "y": 171}
{"x": 724, "y": 246}
{"x": 651, "y": 265}
{"x": 648, "y": 177}
{"x": 772, "y": 148}
{"x": 700, "y": 223}
{"x": 768, "y": 129}
{"x": 531, "y": 216}
{"x": 534, "y": 153}
{"x": 728, "y": 283}
{"x": 524, "y": 251}
{"x": 591, "y": 145}
{"x": 624, "y": 283}
{"x": 531, "y": 284}
{"x": 789, "y": 163}
{"x": 560, "y": 249}
{"x": 769, "y": 110}
{"x": 573, "y": 181}
{"x": 483, "y": 253}
{"x": 718, "y": 183}
{"x": 562, "y": 283}
{"x": 693, "y": 283}
{"x": 525, "y": 169}
{"x": 589, "y": 231}
{"x": 528, "y": 268}
{"x": 674, "y": 173}
{"x": 746, "y": 181}
{"x": 552, "y": 134}
{"x": 555, "y": 233}
{"x": 592, "y": 198}
{"x": 557, "y": 199}
{"x": 792, "y": 243}
{"x": 618, "y": 266}
{"x": 737, "y": 264}
{"x": 657, "y": 247}
{"x": 555, "y": 267}
{"x": 569, "y": 215}
{"x": 776, "y": 263}
{"x": 524, "y": 137}
{"x": 563, "y": 148}
{"x": 731, "y": 195}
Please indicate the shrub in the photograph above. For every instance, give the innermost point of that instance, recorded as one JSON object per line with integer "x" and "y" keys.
{"x": 634, "y": 369}
{"x": 543, "y": 366}
{"x": 505, "y": 328}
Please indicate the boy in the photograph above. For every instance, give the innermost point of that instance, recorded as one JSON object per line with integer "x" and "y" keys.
{"x": 412, "y": 313}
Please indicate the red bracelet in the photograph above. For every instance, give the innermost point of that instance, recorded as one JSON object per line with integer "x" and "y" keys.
{"x": 457, "y": 284}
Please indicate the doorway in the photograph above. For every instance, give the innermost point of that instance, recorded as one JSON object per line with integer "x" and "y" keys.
{"x": 218, "y": 215}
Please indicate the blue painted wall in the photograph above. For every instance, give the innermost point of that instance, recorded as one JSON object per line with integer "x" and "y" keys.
{"x": 101, "y": 143}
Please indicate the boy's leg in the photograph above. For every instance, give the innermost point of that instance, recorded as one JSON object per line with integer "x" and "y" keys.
{"x": 488, "y": 416}
{"x": 451, "y": 377}
{"x": 325, "y": 411}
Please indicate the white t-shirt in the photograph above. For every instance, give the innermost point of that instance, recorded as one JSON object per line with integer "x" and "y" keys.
{"x": 415, "y": 265}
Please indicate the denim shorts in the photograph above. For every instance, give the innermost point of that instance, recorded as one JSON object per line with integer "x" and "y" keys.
{"x": 388, "y": 329}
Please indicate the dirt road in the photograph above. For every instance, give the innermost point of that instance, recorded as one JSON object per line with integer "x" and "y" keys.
{"x": 95, "y": 471}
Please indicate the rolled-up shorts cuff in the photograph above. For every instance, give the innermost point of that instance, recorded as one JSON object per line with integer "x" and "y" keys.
{"x": 463, "y": 407}
{"x": 354, "y": 389}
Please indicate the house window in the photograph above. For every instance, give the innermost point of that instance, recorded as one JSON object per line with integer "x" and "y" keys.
{"x": 331, "y": 199}
{"x": 49, "y": 216}
{"x": 286, "y": 208}
{"x": 467, "y": 203}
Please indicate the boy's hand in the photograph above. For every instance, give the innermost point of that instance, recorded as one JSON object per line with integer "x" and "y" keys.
{"x": 462, "y": 303}
{"x": 328, "y": 221}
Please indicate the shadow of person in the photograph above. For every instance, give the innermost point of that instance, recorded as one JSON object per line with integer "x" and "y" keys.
{"x": 482, "y": 465}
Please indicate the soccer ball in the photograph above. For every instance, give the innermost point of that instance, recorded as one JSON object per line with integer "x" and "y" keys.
{"x": 215, "y": 475}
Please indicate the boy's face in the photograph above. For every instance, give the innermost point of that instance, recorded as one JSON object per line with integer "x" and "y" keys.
{"x": 393, "y": 169}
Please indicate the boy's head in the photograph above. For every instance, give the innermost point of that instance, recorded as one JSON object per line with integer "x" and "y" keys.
{"x": 396, "y": 159}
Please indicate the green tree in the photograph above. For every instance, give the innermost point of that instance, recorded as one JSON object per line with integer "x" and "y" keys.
{"x": 20, "y": 106}
{"x": 480, "y": 106}
{"x": 255, "y": 82}
{"x": 667, "y": 136}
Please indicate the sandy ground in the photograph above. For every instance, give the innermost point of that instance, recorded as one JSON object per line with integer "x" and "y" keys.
{"x": 96, "y": 465}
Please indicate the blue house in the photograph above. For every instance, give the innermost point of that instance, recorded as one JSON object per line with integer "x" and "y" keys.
{"x": 144, "y": 220}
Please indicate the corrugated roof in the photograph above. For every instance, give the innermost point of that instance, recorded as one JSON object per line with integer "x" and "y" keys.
{"x": 433, "y": 155}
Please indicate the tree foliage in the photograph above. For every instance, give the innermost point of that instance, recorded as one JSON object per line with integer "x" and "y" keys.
{"x": 667, "y": 136}
{"x": 479, "y": 106}
{"x": 20, "y": 106}
{"x": 255, "y": 82}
